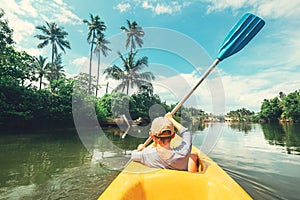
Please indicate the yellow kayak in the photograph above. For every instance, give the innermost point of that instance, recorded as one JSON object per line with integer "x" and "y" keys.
{"x": 138, "y": 182}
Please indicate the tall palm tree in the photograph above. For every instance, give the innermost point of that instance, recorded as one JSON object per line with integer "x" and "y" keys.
{"x": 134, "y": 35}
{"x": 95, "y": 26}
{"x": 101, "y": 47}
{"x": 131, "y": 75}
{"x": 41, "y": 68}
{"x": 54, "y": 35}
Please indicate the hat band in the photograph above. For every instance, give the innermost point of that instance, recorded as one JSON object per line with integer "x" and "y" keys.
{"x": 163, "y": 135}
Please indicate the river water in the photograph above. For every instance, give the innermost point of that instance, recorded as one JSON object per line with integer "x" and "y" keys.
{"x": 263, "y": 158}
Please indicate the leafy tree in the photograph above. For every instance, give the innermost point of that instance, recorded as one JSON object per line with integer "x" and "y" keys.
{"x": 103, "y": 107}
{"x": 130, "y": 75}
{"x": 96, "y": 27}
{"x": 120, "y": 104}
{"x": 16, "y": 67}
{"x": 101, "y": 47}
{"x": 284, "y": 107}
{"x": 241, "y": 115}
{"x": 82, "y": 83}
{"x": 143, "y": 102}
{"x": 6, "y": 33}
{"x": 290, "y": 105}
{"x": 54, "y": 35}
{"x": 270, "y": 109}
{"x": 61, "y": 101}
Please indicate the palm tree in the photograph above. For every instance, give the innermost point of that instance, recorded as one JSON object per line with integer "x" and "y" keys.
{"x": 56, "y": 69}
{"x": 101, "y": 47}
{"x": 54, "y": 35}
{"x": 95, "y": 26}
{"x": 134, "y": 34}
{"x": 41, "y": 67}
{"x": 130, "y": 75}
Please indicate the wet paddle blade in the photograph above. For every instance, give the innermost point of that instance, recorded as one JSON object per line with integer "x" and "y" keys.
{"x": 240, "y": 35}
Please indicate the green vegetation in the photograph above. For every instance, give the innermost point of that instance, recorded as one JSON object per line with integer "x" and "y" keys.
{"x": 283, "y": 107}
{"x": 240, "y": 115}
{"x": 35, "y": 93}
{"x": 23, "y": 105}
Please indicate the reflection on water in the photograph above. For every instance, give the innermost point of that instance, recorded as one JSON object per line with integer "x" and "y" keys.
{"x": 241, "y": 127}
{"x": 279, "y": 134}
{"x": 263, "y": 158}
{"x": 285, "y": 134}
{"x": 49, "y": 166}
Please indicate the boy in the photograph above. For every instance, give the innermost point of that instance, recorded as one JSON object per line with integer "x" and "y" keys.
{"x": 161, "y": 155}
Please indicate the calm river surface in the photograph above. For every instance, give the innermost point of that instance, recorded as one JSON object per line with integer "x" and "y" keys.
{"x": 263, "y": 158}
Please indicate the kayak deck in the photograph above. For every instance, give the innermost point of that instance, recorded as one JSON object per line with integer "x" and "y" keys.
{"x": 137, "y": 181}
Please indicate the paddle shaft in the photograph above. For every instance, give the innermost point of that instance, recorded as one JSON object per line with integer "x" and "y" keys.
{"x": 175, "y": 109}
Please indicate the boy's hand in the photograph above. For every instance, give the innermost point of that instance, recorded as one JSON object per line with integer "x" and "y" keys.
{"x": 141, "y": 147}
{"x": 168, "y": 115}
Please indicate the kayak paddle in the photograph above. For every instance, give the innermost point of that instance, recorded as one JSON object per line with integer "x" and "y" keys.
{"x": 237, "y": 38}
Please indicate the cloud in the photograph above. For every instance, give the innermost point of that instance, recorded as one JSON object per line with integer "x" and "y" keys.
{"x": 219, "y": 5}
{"x": 162, "y": 8}
{"x": 241, "y": 91}
{"x": 59, "y": 2}
{"x": 278, "y": 8}
{"x": 59, "y": 12}
{"x": 22, "y": 28}
{"x": 250, "y": 91}
{"x": 26, "y": 6}
{"x": 33, "y": 51}
{"x": 81, "y": 61}
{"x": 157, "y": 8}
{"x": 174, "y": 88}
{"x": 264, "y": 8}
{"x": 123, "y": 7}
{"x": 66, "y": 16}
{"x": 20, "y": 13}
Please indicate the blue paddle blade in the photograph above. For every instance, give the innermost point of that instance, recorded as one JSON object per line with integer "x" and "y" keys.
{"x": 240, "y": 35}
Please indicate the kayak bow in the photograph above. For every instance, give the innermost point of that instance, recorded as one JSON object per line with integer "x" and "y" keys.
{"x": 139, "y": 182}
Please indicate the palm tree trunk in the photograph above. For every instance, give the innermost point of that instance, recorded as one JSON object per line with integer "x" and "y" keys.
{"x": 41, "y": 79}
{"x": 98, "y": 73}
{"x": 52, "y": 65}
{"x": 90, "y": 70}
{"x": 106, "y": 88}
{"x": 52, "y": 56}
{"x": 127, "y": 88}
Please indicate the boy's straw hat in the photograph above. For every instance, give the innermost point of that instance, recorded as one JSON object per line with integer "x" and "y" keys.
{"x": 161, "y": 124}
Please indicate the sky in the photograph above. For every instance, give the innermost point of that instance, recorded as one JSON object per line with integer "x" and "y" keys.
{"x": 182, "y": 38}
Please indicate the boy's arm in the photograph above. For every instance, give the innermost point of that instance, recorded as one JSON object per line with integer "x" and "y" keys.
{"x": 136, "y": 156}
{"x": 185, "y": 147}
{"x": 177, "y": 125}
